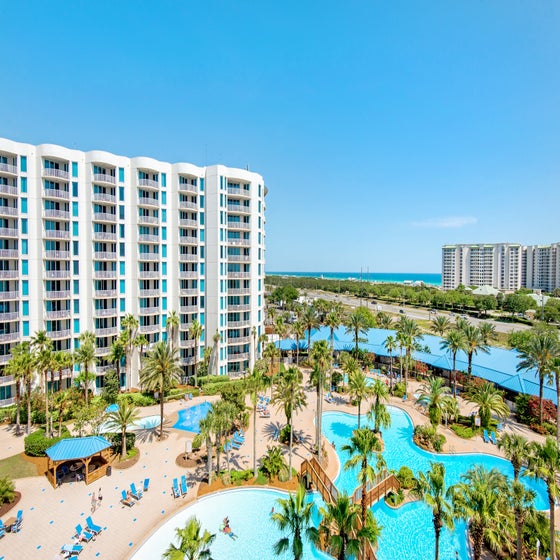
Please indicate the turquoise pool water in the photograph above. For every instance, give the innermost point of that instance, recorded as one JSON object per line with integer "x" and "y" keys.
{"x": 408, "y": 532}
{"x": 147, "y": 423}
{"x": 249, "y": 515}
{"x": 189, "y": 418}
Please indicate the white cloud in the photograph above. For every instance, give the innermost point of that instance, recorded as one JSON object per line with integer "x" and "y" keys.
{"x": 446, "y": 223}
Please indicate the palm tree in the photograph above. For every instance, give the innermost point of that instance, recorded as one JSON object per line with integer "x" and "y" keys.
{"x": 310, "y": 320}
{"x": 430, "y": 488}
{"x": 41, "y": 345}
{"x": 116, "y": 355}
{"x": 298, "y": 330}
{"x": 474, "y": 344}
{"x": 120, "y": 419}
{"x": 255, "y": 383}
{"x": 321, "y": 359}
{"x": 270, "y": 353}
{"x": 356, "y": 324}
{"x": 544, "y": 463}
{"x": 340, "y": 527}
{"x": 453, "y": 342}
{"x": 13, "y": 368}
{"x": 195, "y": 332}
{"x": 384, "y": 320}
{"x": 440, "y": 325}
{"x": 332, "y": 320}
{"x": 254, "y": 337}
{"x": 349, "y": 364}
{"x": 489, "y": 401}
{"x": 358, "y": 389}
{"x": 192, "y": 544}
{"x": 62, "y": 402}
{"x": 63, "y": 360}
{"x": 85, "y": 355}
{"x": 294, "y": 518}
{"x": 411, "y": 335}
{"x": 130, "y": 325}
{"x": 390, "y": 345}
{"x": 517, "y": 449}
{"x": 521, "y": 501}
{"x": 224, "y": 414}
{"x": 290, "y": 396}
{"x": 481, "y": 499}
{"x": 434, "y": 395}
{"x": 364, "y": 446}
{"x": 161, "y": 371}
{"x": 23, "y": 367}
{"x": 487, "y": 332}
{"x": 206, "y": 431}
{"x": 172, "y": 326}
{"x": 540, "y": 353}
{"x": 378, "y": 411}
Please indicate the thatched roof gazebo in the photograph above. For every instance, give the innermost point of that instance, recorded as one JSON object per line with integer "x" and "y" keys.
{"x": 88, "y": 455}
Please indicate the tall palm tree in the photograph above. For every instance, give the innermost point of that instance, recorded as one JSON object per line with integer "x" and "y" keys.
{"x": 41, "y": 345}
{"x": 364, "y": 446}
{"x": 544, "y": 463}
{"x": 140, "y": 341}
{"x": 517, "y": 449}
{"x": 295, "y": 518}
{"x": 206, "y": 431}
{"x": 172, "y": 326}
{"x": 161, "y": 371}
{"x": 440, "y": 325}
{"x": 310, "y": 320}
{"x": 255, "y": 383}
{"x": 192, "y": 544}
{"x": 378, "y": 411}
{"x": 270, "y": 353}
{"x": 481, "y": 499}
{"x": 290, "y": 396}
{"x": 321, "y": 359}
{"x": 23, "y": 366}
{"x": 116, "y": 355}
{"x": 61, "y": 402}
{"x": 453, "y": 342}
{"x": 350, "y": 365}
{"x": 390, "y": 345}
{"x": 130, "y": 325}
{"x": 430, "y": 488}
{"x": 555, "y": 370}
{"x": 487, "y": 332}
{"x": 474, "y": 344}
{"x": 384, "y": 320}
{"x": 489, "y": 400}
{"x": 195, "y": 332}
{"x": 410, "y": 334}
{"x": 358, "y": 389}
{"x": 63, "y": 359}
{"x": 540, "y": 353}
{"x": 85, "y": 355}
{"x": 120, "y": 419}
{"x": 521, "y": 501}
{"x": 340, "y": 527}
{"x": 332, "y": 321}
{"x": 356, "y": 324}
{"x": 434, "y": 395}
{"x": 298, "y": 330}
{"x": 254, "y": 337}
{"x": 224, "y": 414}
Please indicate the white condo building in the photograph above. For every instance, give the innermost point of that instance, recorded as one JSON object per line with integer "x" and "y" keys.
{"x": 504, "y": 266}
{"x": 88, "y": 237}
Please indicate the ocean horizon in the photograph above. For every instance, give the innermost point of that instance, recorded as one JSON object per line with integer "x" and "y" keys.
{"x": 431, "y": 278}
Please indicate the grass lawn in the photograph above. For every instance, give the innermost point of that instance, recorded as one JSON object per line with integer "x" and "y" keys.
{"x": 17, "y": 467}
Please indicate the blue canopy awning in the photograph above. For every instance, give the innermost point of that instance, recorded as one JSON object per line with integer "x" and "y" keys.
{"x": 70, "y": 449}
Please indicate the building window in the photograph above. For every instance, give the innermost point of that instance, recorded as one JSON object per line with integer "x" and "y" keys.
{"x": 23, "y": 182}
{"x": 76, "y": 287}
{"x": 74, "y": 189}
{"x": 76, "y": 326}
{"x": 25, "y": 267}
{"x": 26, "y": 309}
{"x": 121, "y": 174}
{"x": 122, "y": 286}
{"x": 74, "y": 209}
{"x": 121, "y": 194}
{"x": 76, "y": 267}
{"x": 23, "y": 164}
{"x": 164, "y": 251}
{"x": 164, "y": 286}
{"x": 121, "y": 249}
{"x": 123, "y": 306}
{"x": 121, "y": 212}
{"x": 122, "y": 268}
{"x": 75, "y": 229}
{"x": 164, "y": 268}
{"x": 25, "y": 287}
{"x": 24, "y": 225}
{"x": 76, "y": 306}
{"x": 164, "y": 179}
{"x": 75, "y": 248}
{"x": 26, "y": 328}
{"x": 24, "y": 205}
{"x": 24, "y": 247}
{"x": 164, "y": 198}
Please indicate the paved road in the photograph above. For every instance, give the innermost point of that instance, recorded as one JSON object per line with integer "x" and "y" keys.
{"x": 413, "y": 312}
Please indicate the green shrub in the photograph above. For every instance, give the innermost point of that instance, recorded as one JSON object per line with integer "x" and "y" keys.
{"x": 137, "y": 399}
{"x": 283, "y": 475}
{"x": 198, "y": 441}
{"x": 37, "y": 443}
{"x": 204, "y": 380}
{"x": 465, "y": 432}
{"x": 6, "y": 414}
{"x": 237, "y": 477}
{"x": 398, "y": 389}
{"x": 405, "y": 477}
{"x": 116, "y": 441}
{"x": 395, "y": 498}
{"x": 428, "y": 438}
{"x": 214, "y": 388}
{"x": 522, "y": 409}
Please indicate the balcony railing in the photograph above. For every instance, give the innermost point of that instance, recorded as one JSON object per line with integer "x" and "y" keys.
{"x": 236, "y": 191}
{"x": 57, "y": 335}
{"x": 60, "y": 314}
{"x": 240, "y": 307}
{"x": 9, "y": 316}
{"x": 147, "y": 274}
{"x": 188, "y": 240}
{"x": 239, "y": 340}
{"x": 4, "y": 359}
{"x": 9, "y": 253}
{"x": 104, "y": 236}
{"x": 149, "y": 328}
{"x": 238, "y": 209}
{"x": 238, "y": 291}
{"x": 188, "y": 274}
{"x": 104, "y": 256}
{"x": 6, "y": 274}
{"x": 51, "y": 172}
{"x": 186, "y": 343}
{"x": 57, "y": 274}
{"x": 238, "y": 357}
{"x": 150, "y": 293}
{"x": 188, "y": 292}
{"x": 9, "y": 232}
{"x": 108, "y": 331}
{"x": 9, "y": 337}
{"x": 104, "y": 274}
{"x": 56, "y": 193}
{"x": 8, "y": 211}
{"x": 237, "y": 324}
{"x": 188, "y": 188}
{"x": 8, "y": 189}
{"x": 188, "y": 223}
{"x": 148, "y": 183}
{"x": 239, "y": 225}
{"x": 148, "y": 201}
{"x": 148, "y": 256}
{"x": 104, "y": 217}
{"x": 105, "y": 293}
{"x": 104, "y": 178}
{"x": 187, "y": 361}
{"x": 239, "y": 242}
{"x": 57, "y": 234}
{"x": 108, "y": 312}
{"x": 6, "y": 379}
{"x": 148, "y": 238}
{"x": 239, "y": 258}
{"x": 187, "y": 205}
{"x": 149, "y": 220}
{"x": 53, "y": 255}
{"x": 239, "y": 274}
{"x": 149, "y": 311}
{"x": 187, "y": 258}
{"x": 188, "y": 308}
{"x": 7, "y": 402}
{"x": 102, "y": 351}
{"x": 104, "y": 197}
{"x": 102, "y": 370}
{"x": 64, "y": 294}
{"x": 57, "y": 214}
{"x": 8, "y": 168}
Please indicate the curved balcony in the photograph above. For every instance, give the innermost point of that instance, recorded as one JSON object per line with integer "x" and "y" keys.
{"x": 8, "y": 189}
{"x": 56, "y": 193}
{"x": 188, "y": 240}
{"x": 104, "y": 256}
{"x": 9, "y": 337}
{"x": 238, "y": 324}
{"x": 55, "y": 234}
{"x": 9, "y": 232}
{"x": 103, "y": 351}
{"x": 56, "y": 214}
{"x": 148, "y": 238}
{"x": 183, "y": 257}
{"x": 58, "y": 173}
{"x": 8, "y": 168}
{"x": 148, "y": 201}
{"x": 188, "y": 188}
{"x": 149, "y": 328}
{"x": 148, "y": 220}
{"x": 64, "y": 274}
{"x": 238, "y": 357}
{"x": 239, "y": 242}
{"x": 57, "y": 335}
{"x": 149, "y": 274}
{"x": 186, "y": 343}
{"x": 238, "y": 291}
{"x": 64, "y": 294}
{"x": 60, "y": 314}
{"x": 104, "y": 197}
{"x": 244, "y": 275}
{"x": 187, "y": 205}
{"x": 103, "y": 294}
{"x": 236, "y": 191}
{"x": 10, "y": 316}
{"x": 188, "y": 292}
{"x": 148, "y": 256}
{"x": 104, "y": 274}
{"x": 104, "y": 236}
{"x": 238, "y": 209}
{"x": 239, "y": 225}
{"x": 9, "y": 274}
{"x": 188, "y": 274}
{"x": 104, "y": 178}
{"x": 104, "y": 217}
{"x": 188, "y": 309}
{"x": 188, "y": 223}
{"x": 107, "y": 312}
{"x": 9, "y": 211}
{"x": 149, "y": 311}
{"x": 239, "y": 340}
{"x": 242, "y": 307}
{"x": 149, "y": 293}
{"x": 150, "y": 183}
{"x": 239, "y": 258}
{"x": 108, "y": 331}
{"x": 9, "y": 254}
{"x": 54, "y": 255}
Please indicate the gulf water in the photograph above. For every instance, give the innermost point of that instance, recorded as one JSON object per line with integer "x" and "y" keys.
{"x": 432, "y": 278}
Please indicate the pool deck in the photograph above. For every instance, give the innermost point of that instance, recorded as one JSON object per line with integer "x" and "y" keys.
{"x": 50, "y": 515}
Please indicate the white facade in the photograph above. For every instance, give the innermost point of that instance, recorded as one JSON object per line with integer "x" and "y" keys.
{"x": 504, "y": 266}
{"x": 87, "y": 237}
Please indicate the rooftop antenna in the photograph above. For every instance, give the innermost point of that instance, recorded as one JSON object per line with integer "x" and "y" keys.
{"x": 247, "y": 167}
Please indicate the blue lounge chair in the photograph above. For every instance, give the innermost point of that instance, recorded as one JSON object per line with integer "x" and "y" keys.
{"x": 238, "y": 441}
{"x": 146, "y": 484}
{"x": 184, "y": 487}
{"x": 72, "y": 548}
{"x": 83, "y": 534}
{"x": 135, "y": 493}
{"x": 125, "y": 501}
{"x": 486, "y": 437}
{"x": 16, "y": 527}
{"x": 239, "y": 436}
{"x": 2, "y": 529}
{"x": 92, "y": 527}
{"x": 493, "y": 438}
{"x": 176, "y": 492}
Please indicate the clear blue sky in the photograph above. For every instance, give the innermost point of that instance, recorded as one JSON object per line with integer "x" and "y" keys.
{"x": 383, "y": 129}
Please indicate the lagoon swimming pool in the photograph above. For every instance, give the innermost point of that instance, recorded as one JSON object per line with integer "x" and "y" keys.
{"x": 189, "y": 418}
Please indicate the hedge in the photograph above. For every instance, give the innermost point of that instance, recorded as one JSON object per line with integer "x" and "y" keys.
{"x": 37, "y": 443}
